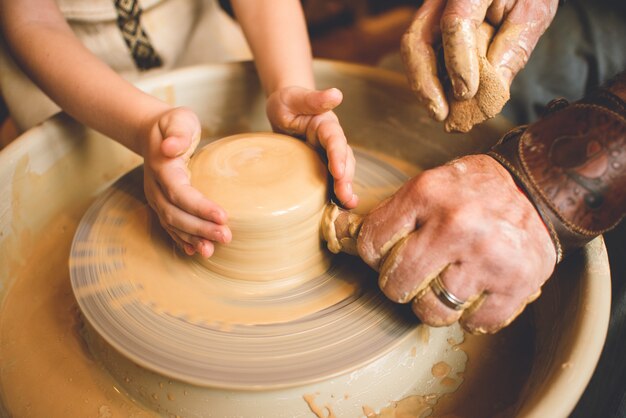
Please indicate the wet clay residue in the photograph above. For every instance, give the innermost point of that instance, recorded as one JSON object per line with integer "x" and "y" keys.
{"x": 412, "y": 406}
{"x": 47, "y": 372}
{"x": 441, "y": 369}
{"x": 340, "y": 229}
{"x": 500, "y": 362}
{"x": 46, "y": 369}
{"x": 491, "y": 96}
{"x": 325, "y": 412}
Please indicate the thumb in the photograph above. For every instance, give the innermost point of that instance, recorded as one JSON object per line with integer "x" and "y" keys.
{"x": 180, "y": 130}
{"x": 314, "y": 102}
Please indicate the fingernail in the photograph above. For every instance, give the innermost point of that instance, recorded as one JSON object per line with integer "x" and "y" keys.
{"x": 406, "y": 296}
{"x": 382, "y": 281}
{"x": 206, "y": 249}
{"x": 433, "y": 110}
{"x": 460, "y": 88}
{"x": 436, "y": 110}
{"x": 188, "y": 248}
{"x": 220, "y": 237}
{"x": 355, "y": 198}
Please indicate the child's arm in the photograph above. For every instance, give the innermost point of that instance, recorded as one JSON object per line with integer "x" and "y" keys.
{"x": 83, "y": 86}
{"x": 277, "y": 34}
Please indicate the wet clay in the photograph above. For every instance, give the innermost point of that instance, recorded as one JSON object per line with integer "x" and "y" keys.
{"x": 340, "y": 229}
{"x": 46, "y": 369}
{"x": 273, "y": 188}
{"x": 500, "y": 362}
{"x": 316, "y": 409}
{"x": 491, "y": 96}
{"x": 156, "y": 275}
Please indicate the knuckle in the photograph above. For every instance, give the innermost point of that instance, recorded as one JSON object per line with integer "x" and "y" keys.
{"x": 451, "y": 21}
{"x": 173, "y": 196}
{"x": 458, "y": 221}
{"x": 167, "y": 216}
{"x": 325, "y": 132}
{"x": 421, "y": 184}
{"x": 410, "y": 42}
{"x": 286, "y": 121}
{"x": 365, "y": 247}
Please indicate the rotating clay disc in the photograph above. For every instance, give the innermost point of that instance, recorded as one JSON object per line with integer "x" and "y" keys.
{"x": 172, "y": 314}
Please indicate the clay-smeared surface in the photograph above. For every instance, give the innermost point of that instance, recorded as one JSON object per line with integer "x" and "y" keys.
{"x": 491, "y": 95}
{"x": 273, "y": 188}
{"x": 210, "y": 328}
{"x": 44, "y": 358}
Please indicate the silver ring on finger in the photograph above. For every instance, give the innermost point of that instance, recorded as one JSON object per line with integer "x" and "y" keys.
{"x": 447, "y": 297}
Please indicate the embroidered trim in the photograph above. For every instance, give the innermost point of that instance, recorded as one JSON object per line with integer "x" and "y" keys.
{"x": 129, "y": 21}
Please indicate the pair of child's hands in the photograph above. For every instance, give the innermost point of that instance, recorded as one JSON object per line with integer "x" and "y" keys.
{"x": 193, "y": 220}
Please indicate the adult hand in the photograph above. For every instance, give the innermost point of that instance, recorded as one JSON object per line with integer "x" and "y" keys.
{"x": 193, "y": 221}
{"x": 468, "y": 225}
{"x": 453, "y": 25}
{"x": 308, "y": 113}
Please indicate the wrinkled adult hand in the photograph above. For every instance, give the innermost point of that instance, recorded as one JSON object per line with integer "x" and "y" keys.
{"x": 468, "y": 223}
{"x": 453, "y": 24}
{"x": 193, "y": 221}
{"x": 308, "y": 113}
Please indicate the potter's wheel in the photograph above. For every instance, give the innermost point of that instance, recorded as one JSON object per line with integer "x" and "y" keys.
{"x": 46, "y": 188}
{"x": 286, "y": 336}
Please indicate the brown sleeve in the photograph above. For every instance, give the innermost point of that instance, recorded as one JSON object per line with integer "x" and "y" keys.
{"x": 572, "y": 165}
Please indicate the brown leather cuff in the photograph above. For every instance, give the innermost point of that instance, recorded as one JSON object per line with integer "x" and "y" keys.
{"x": 572, "y": 165}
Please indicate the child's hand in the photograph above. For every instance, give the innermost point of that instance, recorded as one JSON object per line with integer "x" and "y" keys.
{"x": 192, "y": 220}
{"x": 302, "y": 112}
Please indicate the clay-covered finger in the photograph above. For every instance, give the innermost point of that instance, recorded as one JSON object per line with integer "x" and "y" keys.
{"x": 417, "y": 50}
{"x": 494, "y": 312}
{"x": 517, "y": 37}
{"x": 460, "y": 283}
{"x": 412, "y": 264}
{"x": 459, "y": 22}
{"x": 394, "y": 219}
{"x": 428, "y": 308}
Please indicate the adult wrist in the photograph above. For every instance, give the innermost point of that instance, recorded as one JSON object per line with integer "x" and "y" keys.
{"x": 572, "y": 166}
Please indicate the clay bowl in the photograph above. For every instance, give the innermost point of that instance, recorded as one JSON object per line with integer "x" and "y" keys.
{"x": 55, "y": 171}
